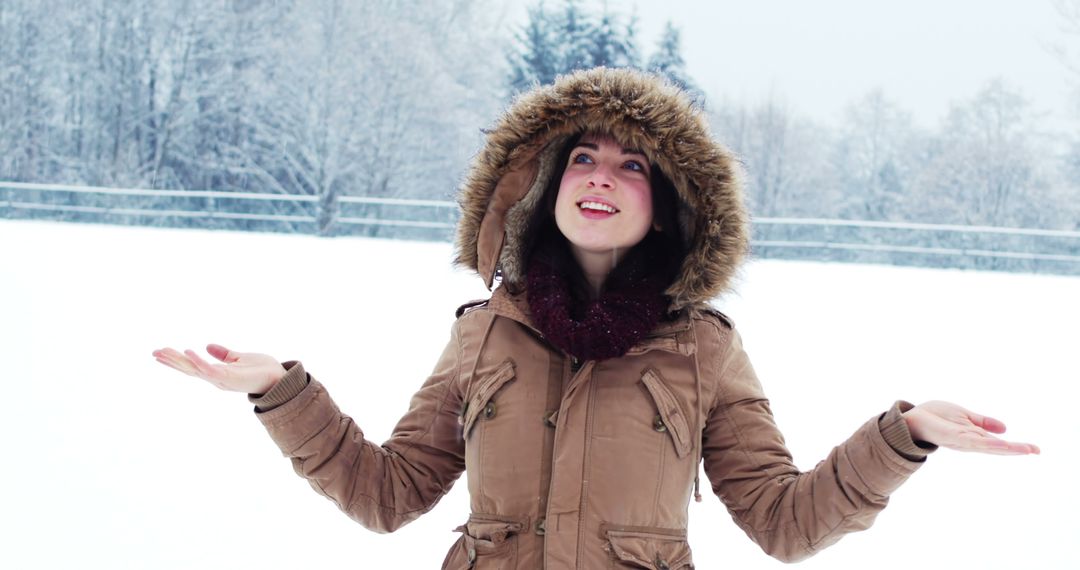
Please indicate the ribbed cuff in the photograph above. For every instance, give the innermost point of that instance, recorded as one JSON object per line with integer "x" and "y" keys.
{"x": 895, "y": 431}
{"x": 292, "y": 383}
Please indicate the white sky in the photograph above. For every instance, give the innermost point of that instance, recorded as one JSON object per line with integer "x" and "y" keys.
{"x": 114, "y": 461}
{"x": 820, "y": 55}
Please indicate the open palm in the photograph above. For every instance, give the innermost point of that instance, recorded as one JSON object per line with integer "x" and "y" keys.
{"x": 249, "y": 372}
{"x": 949, "y": 425}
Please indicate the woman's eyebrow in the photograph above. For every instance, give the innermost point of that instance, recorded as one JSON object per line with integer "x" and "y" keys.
{"x": 596, "y": 147}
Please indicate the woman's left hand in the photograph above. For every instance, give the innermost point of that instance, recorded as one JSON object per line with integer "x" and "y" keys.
{"x": 948, "y": 425}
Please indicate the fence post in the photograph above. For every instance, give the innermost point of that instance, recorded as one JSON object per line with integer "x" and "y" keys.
{"x": 327, "y": 211}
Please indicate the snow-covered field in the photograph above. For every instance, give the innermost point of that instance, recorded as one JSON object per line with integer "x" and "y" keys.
{"x": 114, "y": 461}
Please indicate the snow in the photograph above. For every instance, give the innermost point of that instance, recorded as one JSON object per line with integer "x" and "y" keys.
{"x": 114, "y": 461}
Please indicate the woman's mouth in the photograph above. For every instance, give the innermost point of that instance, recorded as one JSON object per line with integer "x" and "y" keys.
{"x": 596, "y": 210}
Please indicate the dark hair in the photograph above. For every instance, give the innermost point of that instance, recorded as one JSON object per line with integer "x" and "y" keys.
{"x": 543, "y": 235}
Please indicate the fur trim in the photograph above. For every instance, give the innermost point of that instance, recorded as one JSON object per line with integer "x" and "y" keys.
{"x": 507, "y": 178}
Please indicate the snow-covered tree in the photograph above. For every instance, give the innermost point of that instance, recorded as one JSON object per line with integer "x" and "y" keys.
{"x": 574, "y": 36}
{"x": 782, "y": 153}
{"x": 28, "y": 39}
{"x": 872, "y": 158}
{"x": 668, "y": 60}
{"x": 536, "y": 59}
{"x": 610, "y": 44}
{"x": 986, "y": 159}
{"x": 553, "y": 42}
{"x": 1068, "y": 51}
{"x": 326, "y": 97}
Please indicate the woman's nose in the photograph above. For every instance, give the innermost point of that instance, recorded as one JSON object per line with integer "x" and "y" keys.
{"x": 601, "y": 177}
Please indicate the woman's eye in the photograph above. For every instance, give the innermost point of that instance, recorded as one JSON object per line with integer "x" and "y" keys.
{"x": 581, "y": 158}
{"x": 635, "y": 166}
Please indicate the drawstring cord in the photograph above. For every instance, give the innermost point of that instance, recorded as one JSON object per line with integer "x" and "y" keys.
{"x": 701, "y": 427}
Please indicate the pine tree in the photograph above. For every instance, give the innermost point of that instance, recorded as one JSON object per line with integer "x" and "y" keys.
{"x": 611, "y": 46}
{"x": 538, "y": 60}
{"x": 553, "y": 43}
{"x": 668, "y": 60}
{"x": 576, "y": 35}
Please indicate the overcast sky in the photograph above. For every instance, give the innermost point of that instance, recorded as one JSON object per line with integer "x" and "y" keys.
{"x": 818, "y": 56}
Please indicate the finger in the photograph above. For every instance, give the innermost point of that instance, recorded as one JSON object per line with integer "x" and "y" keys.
{"x": 1005, "y": 450}
{"x": 992, "y": 449}
{"x": 986, "y": 443}
{"x": 189, "y": 363}
{"x": 180, "y": 364}
{"x": 221, "y": 353}
{"x": 1027, "y": 448}
{"x": 206, "y": 370}
{"x": 168, "y": 354}
{"x": 1024, "y": 448}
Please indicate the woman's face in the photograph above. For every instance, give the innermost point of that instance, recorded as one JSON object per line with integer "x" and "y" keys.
{"x": 604, "y": 205}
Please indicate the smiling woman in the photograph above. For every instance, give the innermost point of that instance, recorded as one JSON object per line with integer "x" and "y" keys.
{"x": 604, "y": 204}
{"x": 583, "y": 396}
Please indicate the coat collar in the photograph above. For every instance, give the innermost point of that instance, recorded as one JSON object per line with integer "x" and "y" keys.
{"x": 515, "y": 306}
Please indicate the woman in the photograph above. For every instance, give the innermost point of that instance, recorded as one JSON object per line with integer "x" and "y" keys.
{"x": 582, "y": 396}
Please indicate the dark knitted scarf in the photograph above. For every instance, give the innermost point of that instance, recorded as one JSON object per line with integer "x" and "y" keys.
{"x": 631, "y": 304}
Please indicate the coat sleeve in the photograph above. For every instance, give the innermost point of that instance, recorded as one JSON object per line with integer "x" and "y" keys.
{"x": 381, "y": 487}
{"x": 790, "y": 514}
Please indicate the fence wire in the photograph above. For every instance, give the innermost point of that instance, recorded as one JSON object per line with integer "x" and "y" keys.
{"x": 865, "y": 241}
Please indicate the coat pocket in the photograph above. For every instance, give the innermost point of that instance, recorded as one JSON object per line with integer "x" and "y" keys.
{"x": 670, "y": 416}
{"x": 480, "y": 403}
{"x": 656, "y": 549}
{"x": 487, "y": 542}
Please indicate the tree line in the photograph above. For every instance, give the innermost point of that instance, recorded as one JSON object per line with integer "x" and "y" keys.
{"x": 323, "y": 98}
{"x": 333, "y": 98}
{"x": 990, "y": 162}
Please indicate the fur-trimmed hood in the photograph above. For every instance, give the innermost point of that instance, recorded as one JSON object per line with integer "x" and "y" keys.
{"x": 507, "y": 179}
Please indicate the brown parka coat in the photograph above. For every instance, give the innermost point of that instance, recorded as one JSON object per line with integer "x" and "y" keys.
{"x": 592, "y": 464}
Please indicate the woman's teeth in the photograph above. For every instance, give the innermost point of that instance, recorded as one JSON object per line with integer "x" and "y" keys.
{"x": 597, "y": 206}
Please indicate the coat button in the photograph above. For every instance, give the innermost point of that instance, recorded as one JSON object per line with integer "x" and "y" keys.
{"x": 661, "y": 564}
{"x": 489, "y": 410}
{"x": 472, "y": 555}
{"x": 549, "y": 419}
{"x": 658, "y": 423}
{"x": 540, "y": 529}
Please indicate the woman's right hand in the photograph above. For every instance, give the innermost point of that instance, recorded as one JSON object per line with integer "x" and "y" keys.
{"x": 249, "y": 372}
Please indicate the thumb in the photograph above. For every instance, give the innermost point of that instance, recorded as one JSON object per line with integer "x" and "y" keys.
{"x": 221, "y": 353}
